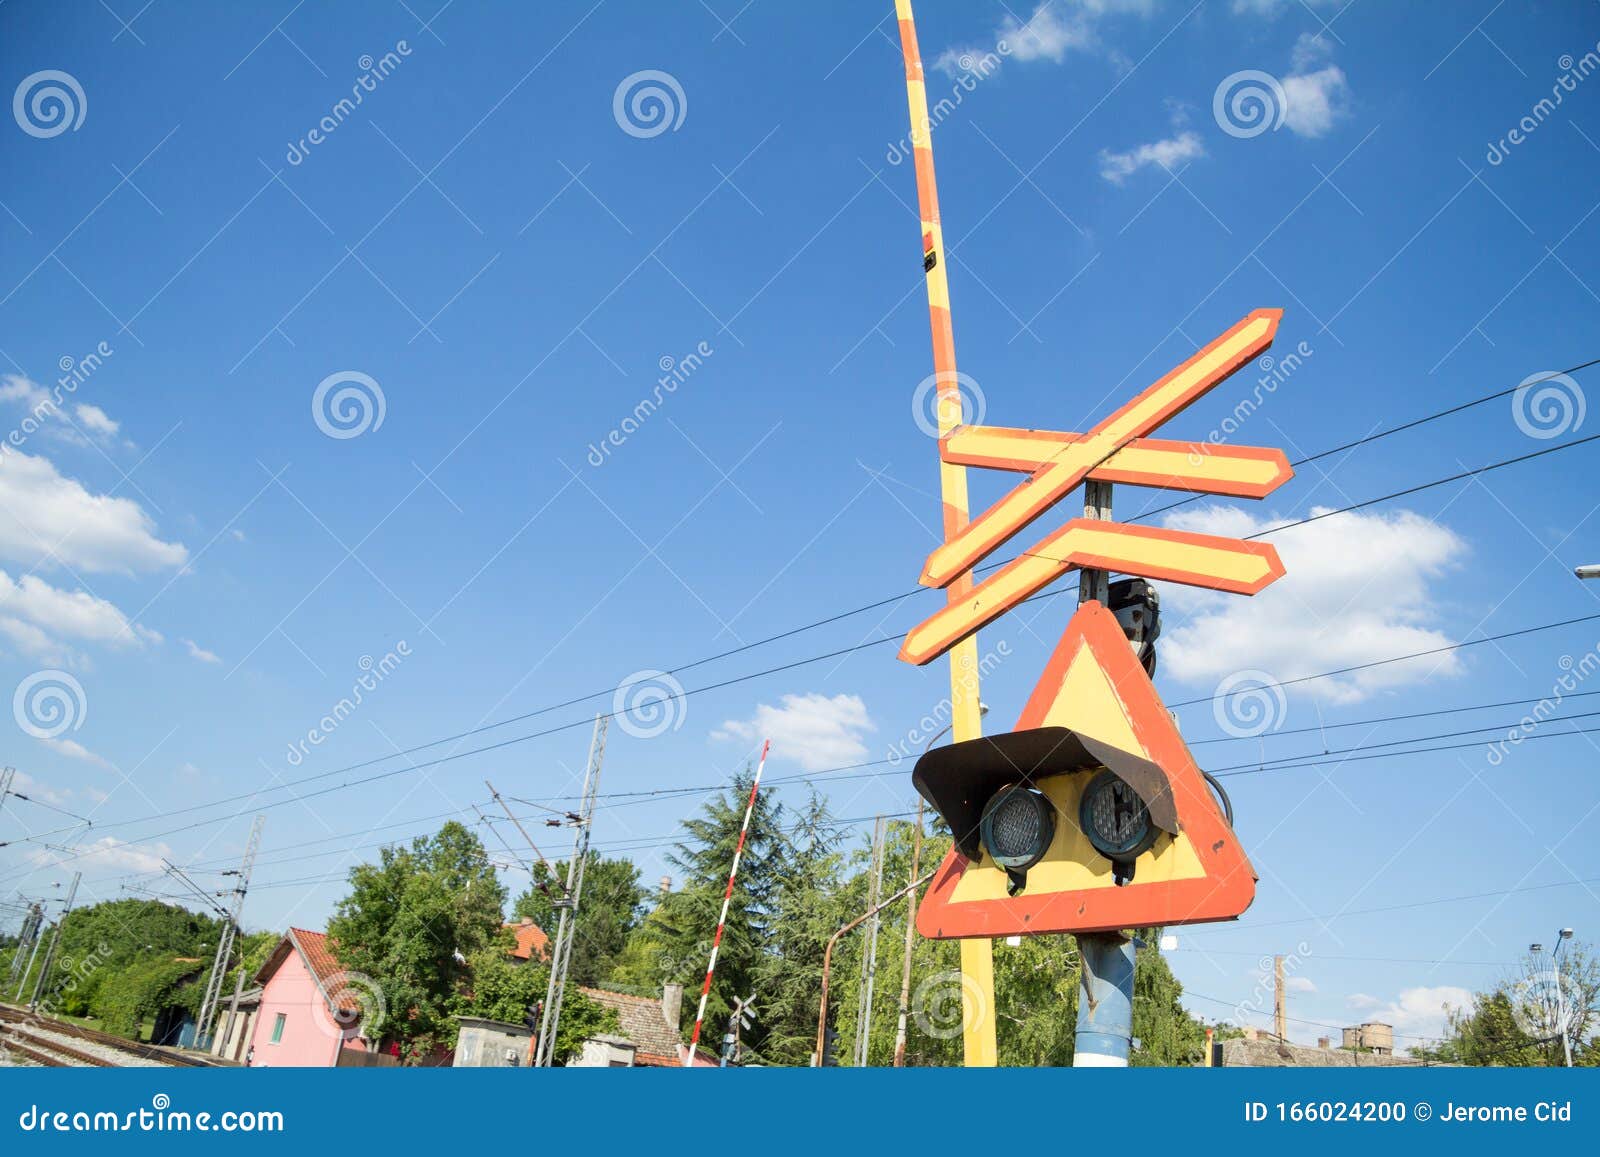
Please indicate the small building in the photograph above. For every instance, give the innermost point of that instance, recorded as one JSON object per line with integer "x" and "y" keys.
{"x": 532, "y": 942}
{"x": 649, "y": 1036}
{"x": 1373, "y": 1036}
{"x": 232, "y": 1038}
{"x": 492, "y": 1044}
{"x": 310, "y": 1010}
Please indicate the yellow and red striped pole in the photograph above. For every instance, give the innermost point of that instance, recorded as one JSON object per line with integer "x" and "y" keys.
{"x": 977, "y": 956}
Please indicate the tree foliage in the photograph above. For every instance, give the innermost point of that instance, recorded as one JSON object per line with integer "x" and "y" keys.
{"x": 1519, "y": 1021}
{"x": 610, "y": 908}
{"x": 410, "y": 924}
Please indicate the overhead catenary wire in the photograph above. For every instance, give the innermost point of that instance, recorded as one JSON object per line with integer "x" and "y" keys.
{"x": 837, "y": 653}
{"x": 858, "y": 647}
{"x": 1519, "y": 632}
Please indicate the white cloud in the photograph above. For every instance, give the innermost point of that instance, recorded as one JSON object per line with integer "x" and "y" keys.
{"x": 110, "y": 852}
{"x": 1421, "y": 1012}
{"x": 1362, "y": 1000}
{"x": 1273, "y": 7}
{"x": 46, "y": 415}
{"x": 812, "y": 730}
{"x": 1314, "y": 102}
{"x": 1358, "y": 587}
{"x": 95, "y": 420}
{"x": 196, "y": 651}
{"x": 1169, "y": 153}
{"x": 72, "y": 749}
{"x": 47, "y": 519}
{"x": 1055, "y": 28}
{"x": 38, "y": 618}
{"x": 1299, "y": 984}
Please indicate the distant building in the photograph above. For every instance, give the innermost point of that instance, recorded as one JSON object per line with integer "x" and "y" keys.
{"x": 649, "y": 1036}
{"x": 233, "y": 1040}
{"x": 532, "y": 942}
{"x": 492, "y": 1044}
{"x": 309, "y": 1011}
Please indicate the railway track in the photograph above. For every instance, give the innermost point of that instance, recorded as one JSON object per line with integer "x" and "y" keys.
{"x": 40, "y": 1040}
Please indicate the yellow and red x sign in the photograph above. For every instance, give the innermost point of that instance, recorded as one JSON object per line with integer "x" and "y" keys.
{"x": 1116, "y": 450}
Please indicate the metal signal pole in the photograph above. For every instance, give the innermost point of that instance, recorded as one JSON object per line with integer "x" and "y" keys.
{"x": 566, "y": 930}
{"x": 1104, "y": 1035}
{"x": 211, "y": 1005}
{"x": 911, "y": 938}
{"x": 27, "y": 939}
{"x": 977, "y": 955}
{"x": 869, "y": 950}
{"x": 55, "y": 940}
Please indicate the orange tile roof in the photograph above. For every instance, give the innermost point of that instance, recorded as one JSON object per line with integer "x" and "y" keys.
{"x": 530, "y": 939}
{"x": 656, "y": 1042}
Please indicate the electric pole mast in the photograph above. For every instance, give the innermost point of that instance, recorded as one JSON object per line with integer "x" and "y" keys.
{"x": 55, "y": 939}
{"x": 566, "y": 929}
{"x": 7, "y": 774}
{"x": 869, "y": 950}
{"x": 210, "y": 1007}
{"x": 27, "y": 938}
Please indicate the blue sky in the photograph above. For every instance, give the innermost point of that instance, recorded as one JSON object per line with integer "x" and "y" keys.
{"x": 485, "y": 243}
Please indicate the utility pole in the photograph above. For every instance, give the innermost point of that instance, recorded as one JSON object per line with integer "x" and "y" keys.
{"x": 911, "y": 939}
{"x": 979, "y": 1049}
{"x": 869, "y": 950}
{"x": 1280, "y": 1001}
{"x": 27, "y": 938}
{"x": 1105, "y": 988}
{"x": 7, "y": 775}
{"x": 55, "y": 940}
{"x": 566, "y": 930}
{"x": 210, "y": 1007}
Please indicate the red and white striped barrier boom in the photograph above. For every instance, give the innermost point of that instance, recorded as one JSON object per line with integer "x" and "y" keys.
{"x": 722, "y": 920}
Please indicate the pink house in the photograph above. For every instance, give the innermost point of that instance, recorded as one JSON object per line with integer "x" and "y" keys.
{"x": 310, "y": 1007}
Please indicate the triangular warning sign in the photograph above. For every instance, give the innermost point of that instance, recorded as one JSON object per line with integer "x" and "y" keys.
{"x": 1095, "y": 690}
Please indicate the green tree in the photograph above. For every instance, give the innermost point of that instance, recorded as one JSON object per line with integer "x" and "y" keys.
{"x": 805, "y": 912}
{"x": 410, "y": 924}
{"x": 1518, "y": 1022}
{"x": 609, "y": 909}
{"x": 673, "y": 941}
{"x": 510, "y": 991}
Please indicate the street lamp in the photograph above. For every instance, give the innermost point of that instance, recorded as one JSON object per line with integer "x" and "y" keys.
{"x": 1590, "y": 571}
{"x": 1562, "y": 935}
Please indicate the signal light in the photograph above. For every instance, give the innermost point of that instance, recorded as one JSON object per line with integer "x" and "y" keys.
{"x": 987, "y": 792}
{"x": 1137, "y": 607}
{"x": 1017, "y": 826}
{"x": 1117, "y": 822}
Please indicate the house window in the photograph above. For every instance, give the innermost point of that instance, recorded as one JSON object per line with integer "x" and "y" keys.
{"x": 277, "y": 1028}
